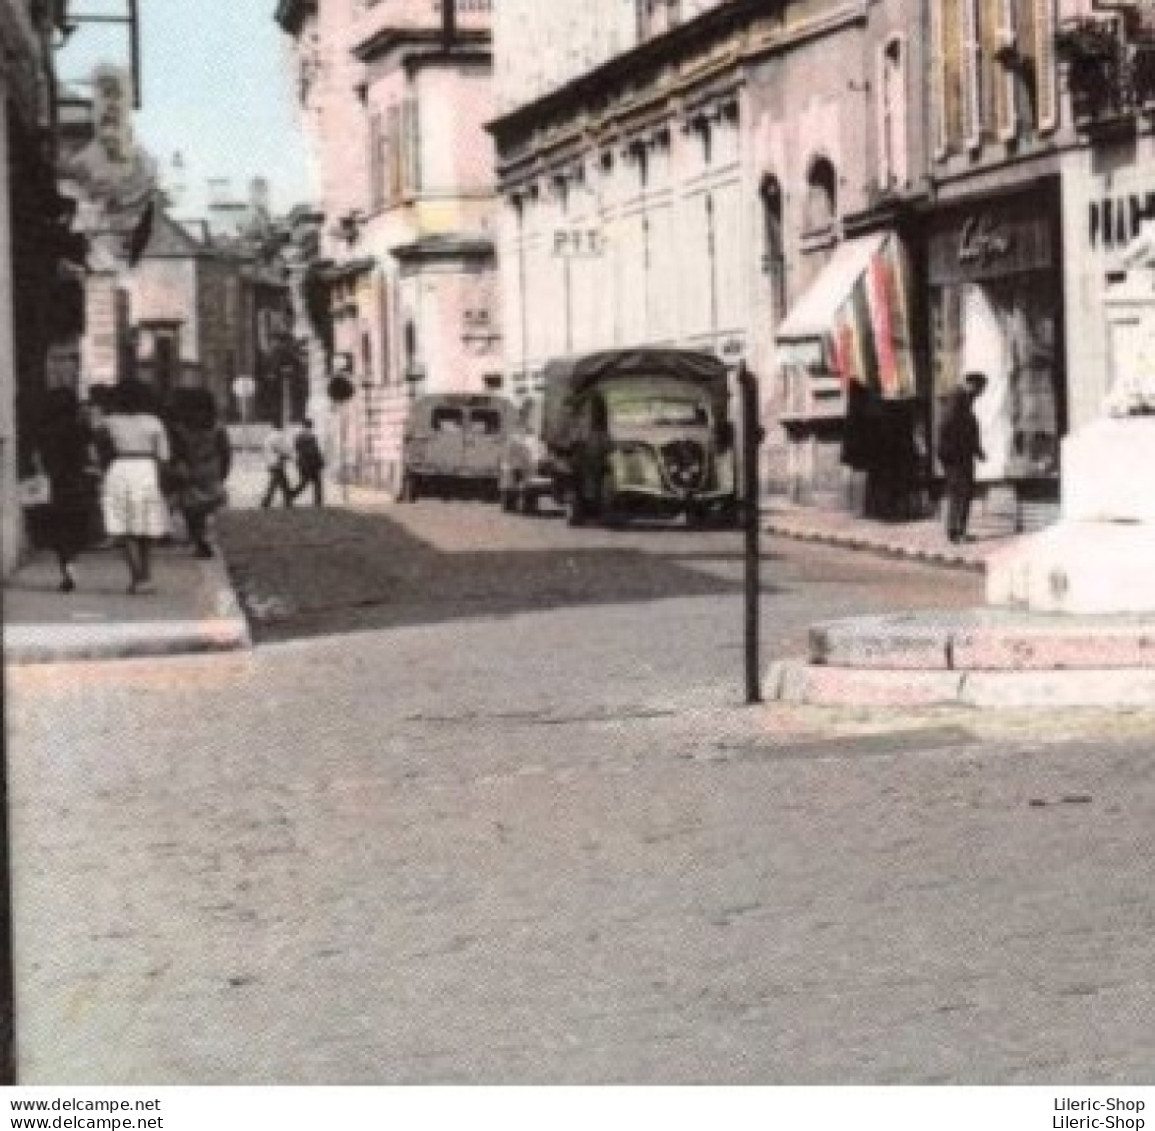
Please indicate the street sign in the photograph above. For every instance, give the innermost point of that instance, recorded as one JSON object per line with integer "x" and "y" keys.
{"x": 243, "y": 388}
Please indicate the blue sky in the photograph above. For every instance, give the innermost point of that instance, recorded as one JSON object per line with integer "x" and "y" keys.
{"x": 217, "y": 87}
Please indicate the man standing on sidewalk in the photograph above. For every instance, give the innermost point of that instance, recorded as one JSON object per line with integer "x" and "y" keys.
{"x": 959, "y": 446}
{"x": 310, "y": 463}
{"x": 277, "y": 451}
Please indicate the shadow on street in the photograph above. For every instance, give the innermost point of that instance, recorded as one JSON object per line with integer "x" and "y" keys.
{"x": 307, "y": 572}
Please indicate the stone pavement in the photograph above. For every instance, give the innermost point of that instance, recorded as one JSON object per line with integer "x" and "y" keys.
{"x": 921, "y": 540}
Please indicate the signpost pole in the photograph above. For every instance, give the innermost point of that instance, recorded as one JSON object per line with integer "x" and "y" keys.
{"x": 751, "y": 514}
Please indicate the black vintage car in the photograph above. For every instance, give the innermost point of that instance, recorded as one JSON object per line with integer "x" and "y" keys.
{"x": 640, "y": 432}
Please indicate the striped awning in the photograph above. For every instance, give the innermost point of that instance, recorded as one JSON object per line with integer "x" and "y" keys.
{"x": 855, "y": 317}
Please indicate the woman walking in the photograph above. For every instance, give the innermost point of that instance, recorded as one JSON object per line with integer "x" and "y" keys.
{"x": 67, "y": 455}
{"x": 134, "y": 507}
{"x": 203, "y": 457}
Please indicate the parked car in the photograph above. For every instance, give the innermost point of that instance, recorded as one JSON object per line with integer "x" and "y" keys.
{"x": 527, "y": 468}
{"x": 641, "y": 432}
{"x": 452, "y": 444}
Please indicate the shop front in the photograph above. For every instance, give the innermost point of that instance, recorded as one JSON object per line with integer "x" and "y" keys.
{"x": 847, "y": 362}
{"x": 994, "y": 274}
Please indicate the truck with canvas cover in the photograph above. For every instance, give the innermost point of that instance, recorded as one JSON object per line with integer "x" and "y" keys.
{"x": 641, "y": 432}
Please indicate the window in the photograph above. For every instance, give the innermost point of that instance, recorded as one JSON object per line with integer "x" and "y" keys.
{"x": 821, "y": 195}
{"x": 485, "y": 422}
{"x": 993, "y": 69}
{"x": 773, "y": 244}
{"x": 892, "y": 142}
{"x": 655, "y": 17}
{"x": 451, "y": 420}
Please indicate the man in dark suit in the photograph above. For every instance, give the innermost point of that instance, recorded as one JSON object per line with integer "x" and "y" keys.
{"x": 959, "y": 446}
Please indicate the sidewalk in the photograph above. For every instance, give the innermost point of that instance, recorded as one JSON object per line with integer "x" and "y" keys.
{"x": 922, "y": 540}
{"x": 193, "y": 610}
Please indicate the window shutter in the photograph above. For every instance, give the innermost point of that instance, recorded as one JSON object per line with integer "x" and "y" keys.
{"x": 376, "y": 162}
{"x": 971, "y": 75}
{"x": 396, "y": 186}
{"x": 1002, "y": 76}
{"x": 1046, "y": 77}
{"x": 411, "y": 146}
{"x": 938, "y": 79}
{"x": 1025, "y": 42}
{"x": 951, "y": 20}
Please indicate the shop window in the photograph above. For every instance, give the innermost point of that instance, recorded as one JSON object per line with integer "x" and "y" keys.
{"x": 821, "y": 195}
{"x": 774, "y": 244}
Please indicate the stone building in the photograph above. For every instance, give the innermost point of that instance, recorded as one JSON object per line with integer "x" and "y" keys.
{"x": 35, "y": 306}
{"x": 394, "y": 96}
{"x": 688, "y": 173}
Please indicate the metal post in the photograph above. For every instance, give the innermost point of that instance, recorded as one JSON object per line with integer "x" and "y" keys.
{"x": 344, "y": 453}
{"x": 751, "y": 440}
{"x": 134, "y": 50}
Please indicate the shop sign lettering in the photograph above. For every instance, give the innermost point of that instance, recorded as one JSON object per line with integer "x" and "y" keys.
{"x": 981, "y": 240}
{"x": 1113, "y": 222}
{"x": 578, "y": 243}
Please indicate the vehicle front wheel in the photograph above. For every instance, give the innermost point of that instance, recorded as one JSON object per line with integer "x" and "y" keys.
{"x": 508, "y": 499}
{"x": 526, "y": 501}
{"x": 410, "y": 489}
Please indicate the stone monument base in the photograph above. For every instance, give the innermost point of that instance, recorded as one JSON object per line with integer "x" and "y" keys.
{"x": 1100, "y": 558}
{"x": 1077, "y": 568}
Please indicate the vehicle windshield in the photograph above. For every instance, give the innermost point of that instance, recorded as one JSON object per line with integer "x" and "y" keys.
{"x": 659, "y": 412}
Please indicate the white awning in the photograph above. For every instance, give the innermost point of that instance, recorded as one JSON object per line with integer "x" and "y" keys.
{"x": 813, "y": 315}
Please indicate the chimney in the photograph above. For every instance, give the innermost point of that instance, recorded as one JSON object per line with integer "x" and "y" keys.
{"x": 448, "y": 24}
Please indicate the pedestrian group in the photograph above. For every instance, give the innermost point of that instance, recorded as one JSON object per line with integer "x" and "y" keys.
{"x": 280, "y": 451}
{"x": 118, "y": 467}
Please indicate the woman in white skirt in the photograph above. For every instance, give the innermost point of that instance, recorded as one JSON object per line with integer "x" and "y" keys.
{"x": 135, "y": 510}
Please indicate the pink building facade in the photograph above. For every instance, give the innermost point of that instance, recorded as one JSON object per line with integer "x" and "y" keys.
{"x": 394, "y": 96}
{"x": 684, "y": 174}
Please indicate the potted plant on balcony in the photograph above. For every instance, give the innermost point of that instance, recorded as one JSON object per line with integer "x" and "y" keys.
{"x": 1143, "y": 75}
{"x": 1091, "y": 51}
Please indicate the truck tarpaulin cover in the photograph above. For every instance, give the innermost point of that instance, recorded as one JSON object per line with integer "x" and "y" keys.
{"x": 566, "y": 379}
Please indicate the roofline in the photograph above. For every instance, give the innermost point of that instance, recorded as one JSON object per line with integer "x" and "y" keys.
{"x": 648, "y": 53}
{"x": 385, "y": 39}
{"x": 469, "y": 247}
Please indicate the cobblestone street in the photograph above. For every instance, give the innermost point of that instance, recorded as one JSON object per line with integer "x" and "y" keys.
{"x": 534, "y": 837}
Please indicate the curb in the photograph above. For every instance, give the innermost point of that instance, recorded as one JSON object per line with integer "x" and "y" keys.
{"x": 942, "y": 558}
{"x": 798, "y": 682}
{"x": 224, "y": 629}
